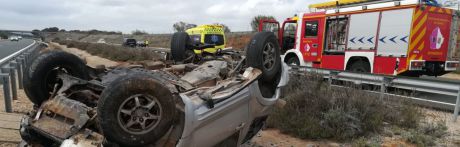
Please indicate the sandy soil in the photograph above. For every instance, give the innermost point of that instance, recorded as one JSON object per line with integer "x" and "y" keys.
{"x": 91, "y": 60}
{"x": 274, "y": 138}
{"x": 8, "y": 144}
{"x": 451, "y": 76}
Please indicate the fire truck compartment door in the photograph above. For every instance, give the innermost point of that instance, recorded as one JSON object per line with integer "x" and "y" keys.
{"x": 312, "y": 39}
{"x": 363, "y": 31}
{"x": 394, "y": 32}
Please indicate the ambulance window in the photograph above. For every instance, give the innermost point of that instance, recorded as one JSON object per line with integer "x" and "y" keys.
{"x": 311, "y": 29}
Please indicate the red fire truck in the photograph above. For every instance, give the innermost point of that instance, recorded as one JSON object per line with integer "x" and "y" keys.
{"x": 406, "y": 37}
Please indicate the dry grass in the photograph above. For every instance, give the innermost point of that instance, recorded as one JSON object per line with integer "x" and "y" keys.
{"x": 237, "y": 40}
{"x": 113, "y": 52}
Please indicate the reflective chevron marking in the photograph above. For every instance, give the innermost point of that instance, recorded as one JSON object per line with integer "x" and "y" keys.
{"x": 370, "y": 40}
{"x": 404, "y": 39}
{"x": 393, "y": 39}
{"x": 383, "y": 39}
{"x": 361, "y": 40}
{"x": 352, "y": 40}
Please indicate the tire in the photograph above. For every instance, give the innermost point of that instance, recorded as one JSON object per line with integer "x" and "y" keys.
{"x": 360, "y": 66}
{"x": 41, "y": 76}
{"x": 293, "y": 61}
{"x": 179, "y": 47}
{"x": 121, "y": 95}
{"x": 264, "y": 48}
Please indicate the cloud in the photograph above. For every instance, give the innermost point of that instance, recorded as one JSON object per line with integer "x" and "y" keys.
{"x": 154, "y": 16}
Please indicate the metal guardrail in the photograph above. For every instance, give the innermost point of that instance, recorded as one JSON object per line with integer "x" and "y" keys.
{"x": 434, "y": 86}
{"x": 11, "y": 72}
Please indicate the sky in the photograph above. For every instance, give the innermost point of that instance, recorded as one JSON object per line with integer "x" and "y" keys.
{"x": 153, "y": 16}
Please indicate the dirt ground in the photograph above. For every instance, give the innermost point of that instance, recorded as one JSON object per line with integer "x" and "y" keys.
{"x": 451, "y": 76}
{"x": 91, "y": 60}
{"x": 265, "y": 138}
{"x": 274, "y": 138}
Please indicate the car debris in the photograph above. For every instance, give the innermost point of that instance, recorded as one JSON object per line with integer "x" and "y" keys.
{"x": 223, "y": 100}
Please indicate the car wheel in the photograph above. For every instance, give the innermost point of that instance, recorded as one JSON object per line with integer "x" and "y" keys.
{"x": 180, "y": 50}
{"x": 264, "y": 53}
{"x": 40, "y": 77}
{"x": 136, "y": 110}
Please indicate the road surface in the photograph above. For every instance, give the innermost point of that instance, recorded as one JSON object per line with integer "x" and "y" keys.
{"x": 8, "y": 47}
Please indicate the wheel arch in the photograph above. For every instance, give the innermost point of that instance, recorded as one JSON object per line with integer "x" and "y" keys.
{"x": 289, "y": 55}
{"x": 355, "y": 59}
{"x": 293, "y": 53}
{"x": 363, "y": 55}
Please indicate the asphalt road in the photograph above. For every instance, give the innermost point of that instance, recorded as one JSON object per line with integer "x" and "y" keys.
{"x": 8, "y": 47}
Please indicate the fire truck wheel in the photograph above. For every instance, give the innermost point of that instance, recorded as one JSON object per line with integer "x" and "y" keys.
{"x": 133, "y": 114}
{"x": 293, "y": 61}
{"x": 180, "y": 51}
{"x": 264, "y": 53}
{"x": 360, "y": 66}
{"x": 41, "y": 78}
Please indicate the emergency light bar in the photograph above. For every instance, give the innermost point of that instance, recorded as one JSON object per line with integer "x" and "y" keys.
{"x": 334, "y": 3}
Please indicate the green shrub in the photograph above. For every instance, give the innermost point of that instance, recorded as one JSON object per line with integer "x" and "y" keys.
{"x": 316, "y": 110}
{"x": 426, "y": 134}
{"x": 419, "y": 139}
{"x": 366, "y": 142}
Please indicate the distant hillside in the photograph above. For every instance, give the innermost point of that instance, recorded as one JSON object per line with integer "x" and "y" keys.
{"x": 235, "y": 40}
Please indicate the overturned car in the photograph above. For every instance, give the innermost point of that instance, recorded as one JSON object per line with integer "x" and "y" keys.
{"x": 221, "y": 101}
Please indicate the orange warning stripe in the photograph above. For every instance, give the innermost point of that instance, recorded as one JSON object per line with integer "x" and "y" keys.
{"x": 440, "y": 10}
{"x": 417, "y": 41}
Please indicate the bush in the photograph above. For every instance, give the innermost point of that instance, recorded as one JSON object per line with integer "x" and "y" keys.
{"x": 316, "y": 110}
{"x": 55, "y": 39}
{"x": 416, "y": 137}
{"x": 426, "y": 134}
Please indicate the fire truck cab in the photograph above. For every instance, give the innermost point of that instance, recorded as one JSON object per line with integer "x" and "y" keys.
{"x": 406, "y": 37}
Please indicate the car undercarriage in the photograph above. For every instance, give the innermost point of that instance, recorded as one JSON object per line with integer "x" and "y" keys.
{"x": 221, "y": 101}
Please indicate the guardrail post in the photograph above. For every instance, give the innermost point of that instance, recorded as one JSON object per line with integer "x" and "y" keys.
{"x": 6, "y": 92}
{"x": 26, "y": 58}
{"x": 332, "y": 76}
{"x": 383, "y": 88}
{"x": 19, "y": 67}
{"x": 13, "y": 80}
{"x": 457, "y": 106}
{"x": 386, "y": 81}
